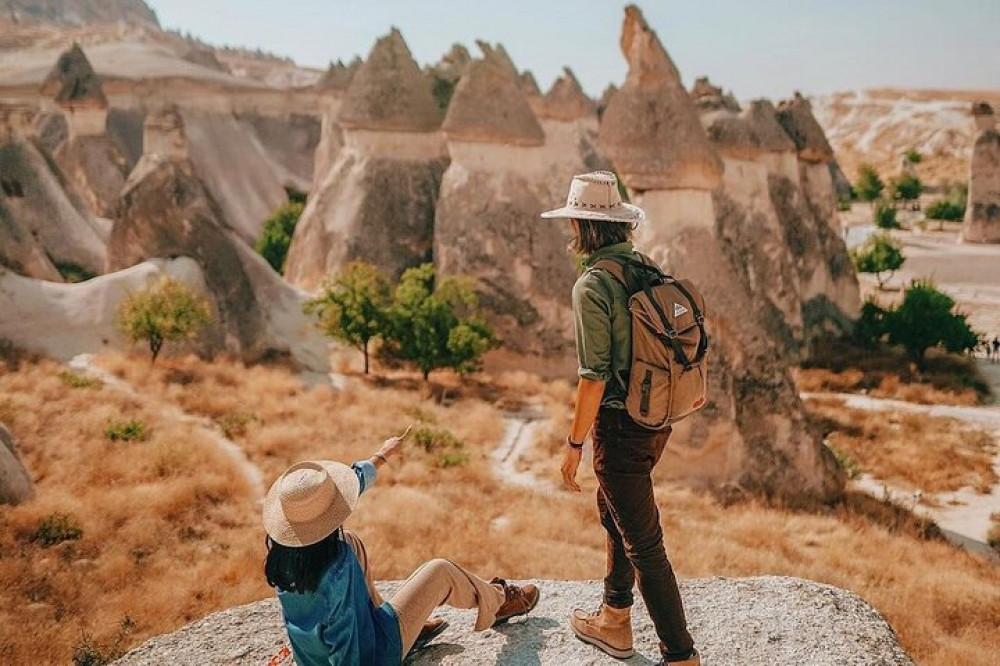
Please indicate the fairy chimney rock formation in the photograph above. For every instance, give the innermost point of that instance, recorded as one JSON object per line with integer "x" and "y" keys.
{"x": 755, "y": 433}
{"x": 77, "y": 91}
{"x": 982, "y": 214}
{"x": 566, "y": 100}
{"x": 374, "y": 202}
{"x": 502, "y": 173}
{"x": 338, "y": 76}
{"x": 528, "y": 84}
{"x": 796, "y": 116}
{"x": 709, "y": 98}
{"x": 650, "y": 128}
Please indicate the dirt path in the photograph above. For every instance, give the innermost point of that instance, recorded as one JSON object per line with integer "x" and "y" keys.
{"x": 84, "y": 364}
{"x": 518, "y": 439}
{"x": 964, "y": 515}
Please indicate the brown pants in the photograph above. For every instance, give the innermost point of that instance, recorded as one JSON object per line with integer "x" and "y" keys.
{"x": 436, "y": 583}
{"x": 624, "y": 457}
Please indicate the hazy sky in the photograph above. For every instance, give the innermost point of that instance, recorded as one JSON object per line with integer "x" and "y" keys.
{"x": 753, "y": 47}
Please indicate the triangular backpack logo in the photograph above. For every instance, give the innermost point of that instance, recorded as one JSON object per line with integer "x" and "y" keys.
{"x": 679, "y": 310}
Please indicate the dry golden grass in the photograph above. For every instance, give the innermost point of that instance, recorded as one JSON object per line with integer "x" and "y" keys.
{"x": 911, "y": 450}
{"x": 886, "y": 373}
{"x": 944, "y": 603}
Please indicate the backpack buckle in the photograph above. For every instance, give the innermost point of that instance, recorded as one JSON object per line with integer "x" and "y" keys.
{"x": 671, "y": 335}
{"x": 700, "y": 319}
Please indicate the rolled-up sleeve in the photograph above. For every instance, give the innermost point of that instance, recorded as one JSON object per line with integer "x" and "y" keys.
{"x": 592, "y": 319}
{"x": 366, "y": 473}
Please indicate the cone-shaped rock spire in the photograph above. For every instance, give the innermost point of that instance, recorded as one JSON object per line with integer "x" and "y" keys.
{"x": 389, "y": 92}
{"x": 488, "y": 107}
{"x": 566, "y": 100}
{"x": 73, "y": 81}
{"x": 796, "y": 116}
{"x": 982, "y": 215}
{"x": 650, "y": 128}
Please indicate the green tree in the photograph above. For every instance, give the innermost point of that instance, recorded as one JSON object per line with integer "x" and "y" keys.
{"x": 880, "y": 254}
{"x": 942, "y": 209}
{"x": 926, "y": 319}
{"x": 907, "y": 187}
{"x": 164, "y": 311}
{"x": 868, "y": 186}
{"x": 433, "y": 323}
{"x": 276, "y": 236}
{"x": 870, "y": 327}
{"x": 353, "y": 306}
{"x": 885, "y": 215}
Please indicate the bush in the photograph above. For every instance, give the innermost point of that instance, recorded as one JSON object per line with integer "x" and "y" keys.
{"x": 433, "y": 323}
{"x": 913, "y": 156}
{"x": 870, "y": 327}
{"x": 907, "y": 188}
{"x": 163, "y": 312}
{"x": 926, "y": 319}
{"x": 945, "y": 210}
{"x": 236, "y": 423}
{"x": 448, "y": 450}
{"x": 126, "y": 431}
{"x": 276, "y": 236}
{"x": 353, "y": 306}
{"x": 868, "y": 186}
{"x": 55, "y": 529}
{"x": 885, "y": 215}
{"x": 844, "y": 205}
{"x": 74, "y": 380}
{"x": 89, "y": 653}
{"x": 879, "y": 254}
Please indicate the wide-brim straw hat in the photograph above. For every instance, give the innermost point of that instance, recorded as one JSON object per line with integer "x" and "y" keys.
{"x": 595, "y": 196}
{"x": 310, "y": 501}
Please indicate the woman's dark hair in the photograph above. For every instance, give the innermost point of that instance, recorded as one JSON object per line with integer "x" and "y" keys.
{"x": 300, "y": 568}
{"x": 595, "y": 234}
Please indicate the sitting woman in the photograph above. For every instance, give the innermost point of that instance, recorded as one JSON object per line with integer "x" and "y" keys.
{"x": 332, "y": 611}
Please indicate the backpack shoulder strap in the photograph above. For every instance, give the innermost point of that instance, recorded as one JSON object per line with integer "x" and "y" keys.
{"x": 617, "y": 270}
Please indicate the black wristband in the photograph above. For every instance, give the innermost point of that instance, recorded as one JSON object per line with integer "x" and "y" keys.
{"x": 572, "y": 444}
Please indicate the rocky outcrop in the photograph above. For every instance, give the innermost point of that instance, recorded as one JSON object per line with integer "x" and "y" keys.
{"x": 653, "y": 110}
{"x": 166, "y": 211}
{"x": 982, "y": 214}
{"x": 701, "y": 223}
{"x": 377, "y": 199}
{"x": 80, "y": 12}
{"x": 15, "y": 483}
{"x": 745, "y": 621}
{"x": 708, "y": 97}
{"x": 502, "y": 173}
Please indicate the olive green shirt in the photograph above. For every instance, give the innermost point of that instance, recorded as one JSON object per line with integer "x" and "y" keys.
{"x": 604, "y": 326}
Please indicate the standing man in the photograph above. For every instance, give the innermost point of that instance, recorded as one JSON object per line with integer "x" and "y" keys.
{"x": 624, "y": 452}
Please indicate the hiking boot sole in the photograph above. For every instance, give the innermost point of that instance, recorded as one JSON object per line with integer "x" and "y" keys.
{"x": 617, "y": 653}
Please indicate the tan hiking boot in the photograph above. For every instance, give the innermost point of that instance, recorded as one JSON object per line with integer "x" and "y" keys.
{"x": 693, "y": 660}
{"x": 609, "y": 629}
{"x": 517, "y": 600}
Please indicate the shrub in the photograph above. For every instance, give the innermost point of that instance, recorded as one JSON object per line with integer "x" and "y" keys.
{"x": 89, "y": 653}
{"x": 870, "y": 327}
{"x": 942, "y": 209}
{"x": 879, "y": 254}
{"x": 885, "y": 215}
{"x": 126, "y": 431}
{"x": 906, "y": 187}
{"x": 448, "y": 450}
{"x": 868, "y": 186}
{"x": 74, "y": 380}
{"x": 913, "y": 156}
{"x": 164, "y": 311}
{"x": 433, "y": 323}
{"x": 844, "y": 205}
{"x": 276, "y": 236}
{"x": 55, "y": 529}
{"x": 236, "y": 423}
{"x": 926, "y": 319}
{"x": 353, "y": 306}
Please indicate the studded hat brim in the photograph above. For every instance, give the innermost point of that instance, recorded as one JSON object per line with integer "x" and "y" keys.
{"x": 623, "y": 212}
{"x": 290, "y": 533}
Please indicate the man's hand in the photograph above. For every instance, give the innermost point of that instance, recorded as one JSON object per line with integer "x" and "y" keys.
{"x": 570, "y": 465}
{"x": 394, "y": 445}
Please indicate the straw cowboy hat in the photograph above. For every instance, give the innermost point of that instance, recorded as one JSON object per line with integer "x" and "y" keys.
{"x": 310, "y": 501}
{"x": 595, "y": 196}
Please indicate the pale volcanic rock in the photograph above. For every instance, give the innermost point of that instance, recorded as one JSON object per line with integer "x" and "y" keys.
{"x": 566, "y": 100}
{"x": 15, "y": 482}
{"x": 389, "y": 92}
{"x": 375, "y": 201}
{"x": 982, "y": 214}
{"x": 745, "y": 621}
{"x": 708, "y": 97}
{"x": 338, "y": 76}
{"x": 80, "y": 12}
{"x": 653, "y": 110}
{"x": 528, "y": 84}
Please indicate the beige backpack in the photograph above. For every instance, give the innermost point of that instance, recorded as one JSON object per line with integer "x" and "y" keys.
{"x": 669, "y": 343}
